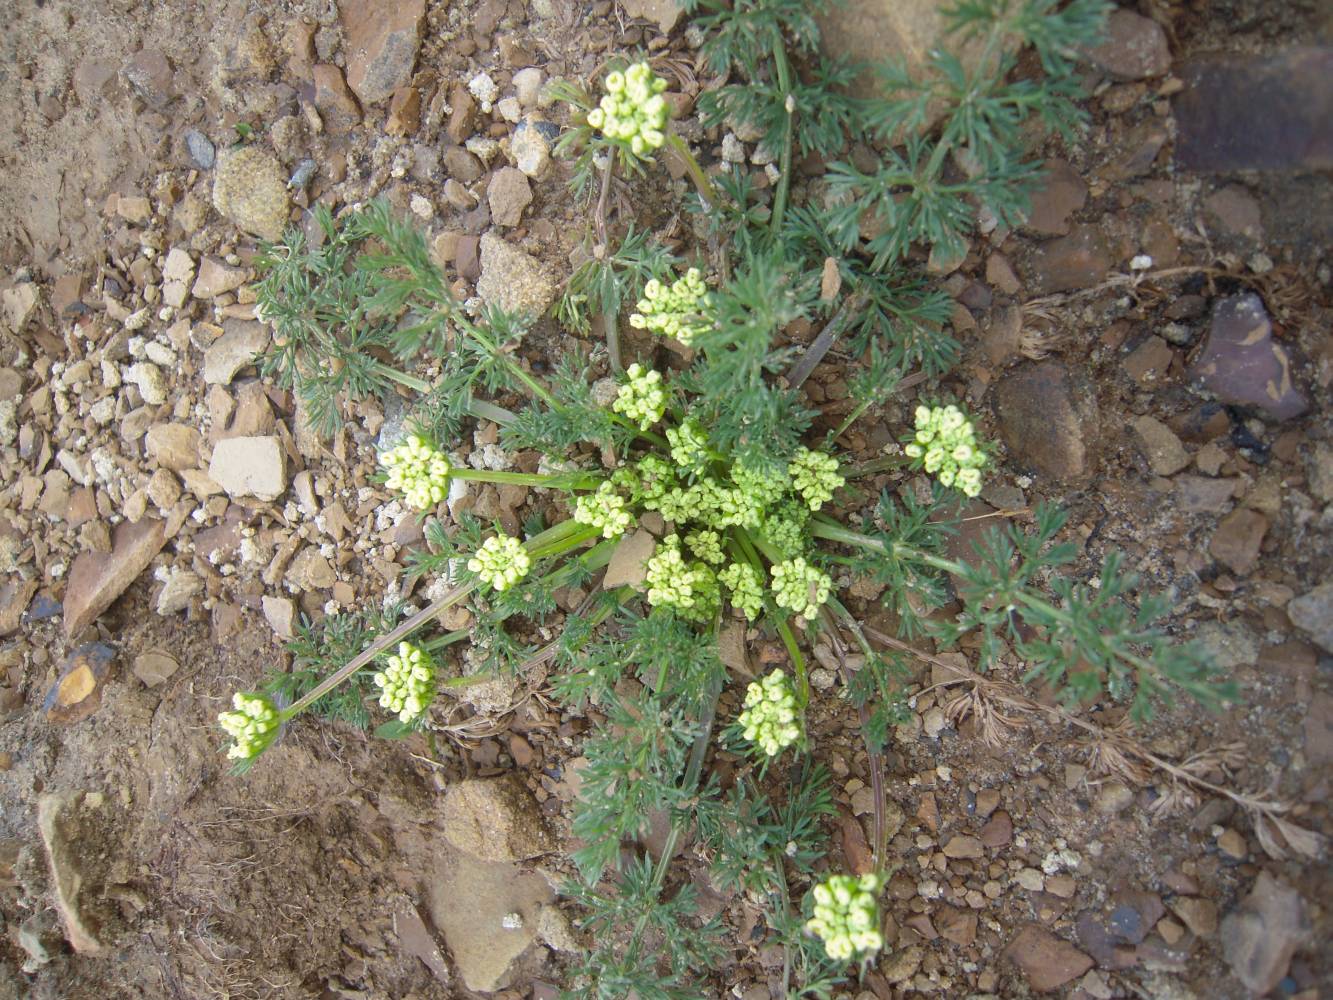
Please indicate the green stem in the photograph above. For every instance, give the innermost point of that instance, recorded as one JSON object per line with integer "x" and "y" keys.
{"x": 874, "y": 466}
{"x": 401, "y": 377}
{"x": 448, "y": 639}
{"x": 563, "y": 480}
{"x": 784, "y": 163}
{"x": 485, "y": 410}
{"x": 548, "y": 542}
{"x": 798, "y": 662}
{"x": 701, "y": 181}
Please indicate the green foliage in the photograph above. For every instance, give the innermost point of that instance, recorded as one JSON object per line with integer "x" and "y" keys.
{"x": 604, "y": 282}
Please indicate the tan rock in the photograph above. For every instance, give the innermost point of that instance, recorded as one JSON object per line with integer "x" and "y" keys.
{"x": 496, "y": 819}
{"x": 217, "y": 278}
{"x": 96, "y": 579}
{"x": 250, "y": 467}
{"x": 250, "y": 190}
{"x": 64, "y": 855}
{"x": 173, "y": 446}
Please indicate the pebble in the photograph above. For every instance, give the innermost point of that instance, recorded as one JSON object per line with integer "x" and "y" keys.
{"x": 531, "y": 151}
{"x": 249, "y": 189}
{"x": 1047, "y": 961}
{"x": 151, "y": 382}
{"x": 484, "y": 89}
{"x": 216, "y": 278}
{"x": 179, "y": 586}
{"x": 1048, "y": 419}
{"x": 1079, "y": 260}
{"x": 1133, "y": 47}
{"x": 1312, "y": 613}
{"x": 1199, "y": 915}
{"x": 732, "y": 149}
{"x": 234, "y": 350}
{"x": 528, "y": 85}
{"x": 933, "y": 722}
{"x": 1062, "y": 193}
{"x": 512, "y": 279}
{"x": 201, "y": 149}
{"x": 381, "y": 44}
{"x": 1147, "y": 364}
{"x": 280, "y": 613}
{"x": 1232, "y": 844}
{"x": 177, "y": 273}
{"x": 495, "y": 819}
{"x": 508, "y": 194}
{"x": 1259, "y": 938}
{"x": 964, "y": 846}
{"x": 249, "y": 467}
{"x": 1241, "y": 363}
{"x": 154, "y": 667}
{"x": 77, "y": 691}
{"x": 1237, "y": 540}
{"x": 1030, "y": 879}
{"x": 1165, "y": 454}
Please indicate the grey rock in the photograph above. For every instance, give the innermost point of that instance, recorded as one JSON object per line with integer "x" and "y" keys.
{"x": 1312, "y": 613}
{"x": 240, "y": 342}
{"x": 1242, "y": 364}
{"x": 1048, "y": 419}
{"x": 1165, "y": 453}
{"x": 250, "y": 467}
{"x": 202, "y": 152}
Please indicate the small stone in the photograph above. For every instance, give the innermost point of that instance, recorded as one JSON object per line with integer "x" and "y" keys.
{"x": 1237, "y": 540}
{"x": 179, "y": 587}
{"x": 1061, "y": 194}
{"x": 1312, "y": 613}
{"x": 508, "y": 194}
{"x": 732, "y": 149}
{"x": 310, "y": 571}
{"x": 1199, "y": 915}
{"x": 1048, "y": 419}
{"x": 334, "y": 101}
{"x": 77, "y": 692}
{"x": 665, "y": 13}
{"x": 527, "y": 86}
{"x": 1000, "y": 273}
{"x": 96, "y": 579}
{"x": 513, "y": 280}
{"x": 1147, "y": 364}
{"x": 1030, "y": 879}
{"x": 1079, "y": 260}
{"x": 217, "y": 278}
{"x": 1241, "y": 363}
{"x": 531, "y": 152}
{"x": 154, "y": 667}
{"x": 251, "y": 190}
{"x": 68, "y": 859}
{"x": 1235, "y": 212}
{"x": 177, "y": 273}
{"x": 1232, "y": 844}
{"x": 15, "y": 594}
{"x": 173, "y": 446}
{"x": 1133, "y": 47}
{"x": 957, "y": 925}
{"x": 1261, "y": 935}
{"x": 629, "y": 561}
{"x": 280, "y": 613}
{"x": 933, "y": 722}
{"x": 152, "y": 384}
{"x": 999, "y": 831}
{"x": 381, "y": 45}
{"x": 484, "y": 89}
{"x": 201, "y": 149}
{"x": 250, "y": 466}
{"x": 495, "y": 819}
{"x": 1062, "y": 886}
{"x": 136, "y": 210}
{"x": 236, "y": 349}
{"x": 963, "y": 846}
{"x": 1203, "y": 494}
{"x": 461, "y": 165}
{"x": 1166, "y": 455}
{"x": 164, "y": 490}
{"x": 1170, "y": 930}
{"x": 1047, "y": 961}
{"x": 404, "y": 112}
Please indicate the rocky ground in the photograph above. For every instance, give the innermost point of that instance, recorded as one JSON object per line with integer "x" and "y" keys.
{"x": 1153, "y": 349}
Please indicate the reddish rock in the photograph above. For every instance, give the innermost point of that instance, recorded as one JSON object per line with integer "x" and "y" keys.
{"x": 1236, "y": 541}
{"x": 1079, "y": 260}
{"x": 1235, "y": 212}
{"x": 1047, "y": 961}
{"x": 333, "y": 100}
{"x": 1062, "y": 193}
{"x": 963, "y": 846}
{"x": 96, "y": 579}
{"x": 1257, "y": 112}
{"x": 461, "y": 118}
{"x": 957, "y": 925}
{"x": 77, "y": 692}
{"x": 1048, "y": 419}
{"x": 404, "y": 112}
{"x": 1242, "y": 364}
{"x": 999, "y": 831}
{"x": 382, "y": 43}
{"x": 1133, "y": 47}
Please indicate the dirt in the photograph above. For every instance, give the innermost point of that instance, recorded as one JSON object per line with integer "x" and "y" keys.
{"x": 326, "y": 871}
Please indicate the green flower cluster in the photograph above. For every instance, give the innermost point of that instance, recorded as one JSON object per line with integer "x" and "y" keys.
{"x": 501, "y": 561}
{"x": 946, "y": 446}
{"x": 604, "y": 509}
{"x": 407, "y": 682}
{"x": 253, "y": 725}
{"x": 706, "y": 544}
{"x": 846, "y": 916}
{"x": 633, "y": 113}
{"x": 675, "y": 311}
{"x": 689, "y": 445}
{"x": 642, "y": 397}
{"x": 747, "y": 588}
{"x": 800, "y": 587}
{"x": 815, "y": 476}
{"x": 769, "y": 719}
{"x": 418, "y": 470}
{"x": 689, "y": 588}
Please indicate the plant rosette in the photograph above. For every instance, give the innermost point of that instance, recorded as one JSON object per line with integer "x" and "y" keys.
{"x": 945, "y": 446}
{"x": 846, "y": 916}
{"x": 769, "y": 718}
{"x": 407, "y": 682}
